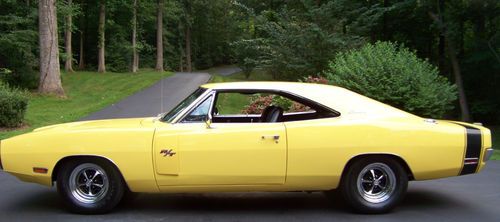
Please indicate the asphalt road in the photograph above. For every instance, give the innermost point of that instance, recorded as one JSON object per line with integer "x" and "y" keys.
{"x": 466, "y": 198}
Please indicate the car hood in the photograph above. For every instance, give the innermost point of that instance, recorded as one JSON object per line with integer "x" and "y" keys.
{"x": 98, "y": 124}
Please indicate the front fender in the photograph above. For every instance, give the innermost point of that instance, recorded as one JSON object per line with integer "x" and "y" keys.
{"x": 129, "y": 149}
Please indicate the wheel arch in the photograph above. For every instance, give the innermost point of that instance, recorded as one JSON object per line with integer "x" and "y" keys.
{"x": 66, "y": 159}
{"x": 398, "y": 158}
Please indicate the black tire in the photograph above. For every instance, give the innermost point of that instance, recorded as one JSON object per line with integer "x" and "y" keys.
{"x": 107, "y": 186}
{"x": 373, "y": 196}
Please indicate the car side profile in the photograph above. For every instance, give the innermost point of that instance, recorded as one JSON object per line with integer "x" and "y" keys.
{"x": 250, "y": 136}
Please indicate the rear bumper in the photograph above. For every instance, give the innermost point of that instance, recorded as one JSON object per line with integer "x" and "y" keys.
{"x": 488, "y": 154}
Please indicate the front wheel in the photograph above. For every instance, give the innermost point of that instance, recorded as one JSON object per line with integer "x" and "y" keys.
{"x": 374, "y": 184}
{"x": 90, "y": 186}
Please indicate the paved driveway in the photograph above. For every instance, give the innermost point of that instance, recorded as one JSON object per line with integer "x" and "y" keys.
{"x": 466, "y": 198}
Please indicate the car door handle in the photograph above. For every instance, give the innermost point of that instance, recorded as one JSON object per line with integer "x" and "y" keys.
{"x": 274, "y": 137}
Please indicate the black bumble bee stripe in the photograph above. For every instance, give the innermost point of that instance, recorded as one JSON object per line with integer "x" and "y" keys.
{"x": 472, "y": 149}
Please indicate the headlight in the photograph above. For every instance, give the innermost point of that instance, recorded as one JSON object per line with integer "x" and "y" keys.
{"x": 488, "y": 154}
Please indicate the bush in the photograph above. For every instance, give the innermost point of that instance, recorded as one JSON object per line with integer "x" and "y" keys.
{"x": 394, "y": 75}
{"x": 13, "y": 104}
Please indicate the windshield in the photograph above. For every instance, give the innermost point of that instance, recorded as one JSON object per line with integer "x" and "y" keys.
{"x": 182, "y": 105}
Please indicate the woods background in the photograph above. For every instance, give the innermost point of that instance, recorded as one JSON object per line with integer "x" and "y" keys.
{"x": 288, "y": 39}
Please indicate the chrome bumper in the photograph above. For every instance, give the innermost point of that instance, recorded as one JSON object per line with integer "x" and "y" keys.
{"x": 487, "y": 154}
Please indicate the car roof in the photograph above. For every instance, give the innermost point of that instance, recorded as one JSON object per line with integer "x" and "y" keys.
{"x": 340, "y": 99}
{"x": 261, "y": 85}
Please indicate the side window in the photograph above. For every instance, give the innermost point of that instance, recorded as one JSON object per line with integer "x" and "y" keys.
{"x": 200, "y": 113}
{"x": 232, "y": 103}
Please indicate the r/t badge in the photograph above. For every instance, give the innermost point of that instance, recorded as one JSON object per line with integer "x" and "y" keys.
{"x": 169, "y": 152}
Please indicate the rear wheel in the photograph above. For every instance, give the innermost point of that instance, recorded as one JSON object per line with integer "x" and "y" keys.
{"x": 374, "y": 184}
{"x": 90, "y": 186}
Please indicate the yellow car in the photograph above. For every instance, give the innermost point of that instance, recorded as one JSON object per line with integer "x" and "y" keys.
{"x": 250, "y": 136}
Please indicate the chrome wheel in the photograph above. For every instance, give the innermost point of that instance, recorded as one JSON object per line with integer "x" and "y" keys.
{"x": 88, "y": 183}
{"x": 376, "y": 182}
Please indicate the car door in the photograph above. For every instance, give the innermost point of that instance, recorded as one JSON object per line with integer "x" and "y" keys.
{"x": 190, "y": 153}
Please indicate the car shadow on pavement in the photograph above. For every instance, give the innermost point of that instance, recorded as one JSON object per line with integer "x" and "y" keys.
{"x": 49, "y": 202}
{"x": 43, "y": 200}
{"x": 264, "y": 203}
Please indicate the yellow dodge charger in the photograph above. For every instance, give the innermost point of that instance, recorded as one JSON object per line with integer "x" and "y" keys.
{"x": 250, "y": 136}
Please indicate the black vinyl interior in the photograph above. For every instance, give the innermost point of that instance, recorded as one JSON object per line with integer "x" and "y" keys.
{"x": 256, "y": 118}
{"x": 272, "y": 114}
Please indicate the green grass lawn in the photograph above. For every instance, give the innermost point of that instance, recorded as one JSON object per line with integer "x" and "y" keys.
{"x": 86, "y": 92}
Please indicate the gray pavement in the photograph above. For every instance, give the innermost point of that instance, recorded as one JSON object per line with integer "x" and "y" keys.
{"x": 466, "y": 198}
{"x": 224, "y": 70}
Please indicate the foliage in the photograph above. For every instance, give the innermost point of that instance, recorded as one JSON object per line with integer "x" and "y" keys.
{"x": 18, "y": 39}
{"x": 247, "y": 54}
{"x": 288, "y": 39}
{"x": 318, "y": 80}
{"x": 395, "y": 75}
{"x": 13, "y": 104}
{"x": 301, "y": 38}
{"x": 259, "y": 102}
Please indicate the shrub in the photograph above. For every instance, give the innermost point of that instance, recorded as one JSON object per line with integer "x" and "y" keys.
{"x": 394, "y": 75}
{"x": 259, "y": 102}
{"x": 317, "y": 80}
{"x": 13, "y": 104}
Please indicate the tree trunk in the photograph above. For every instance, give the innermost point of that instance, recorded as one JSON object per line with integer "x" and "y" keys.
{"x": 50, "y": 74}
{"x": 441, "y": 44}
{"x": 181, "y": 64}
{"x": 458, "y": 80}
{"x": 83, "y": 31}
{"x": 67, "y": 40}
{"x": 101, "y": 67}
{"x": 464, "y": 108}
{"x": 135, "y": 54}
{"x": 189, "y": 66}
{"x": 159, "y": 36}
{"x": 81, "y": 62}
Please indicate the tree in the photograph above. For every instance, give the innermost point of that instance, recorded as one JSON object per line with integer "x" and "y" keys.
{"x": 67, "y": 38}
{"x": 50, "y": 74}
{"x": 135, "y": 54}
{"x": 83, "y": 32}
{"x": 189, "y": 65}
{"x": 394, "y": 75}
{"x": 464, "y": 107}
{"x": 101, "y": 33}
{"x": 159, "y": 36}
{"x": 187, "y": 36}
{"x": 19, "y": 41}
